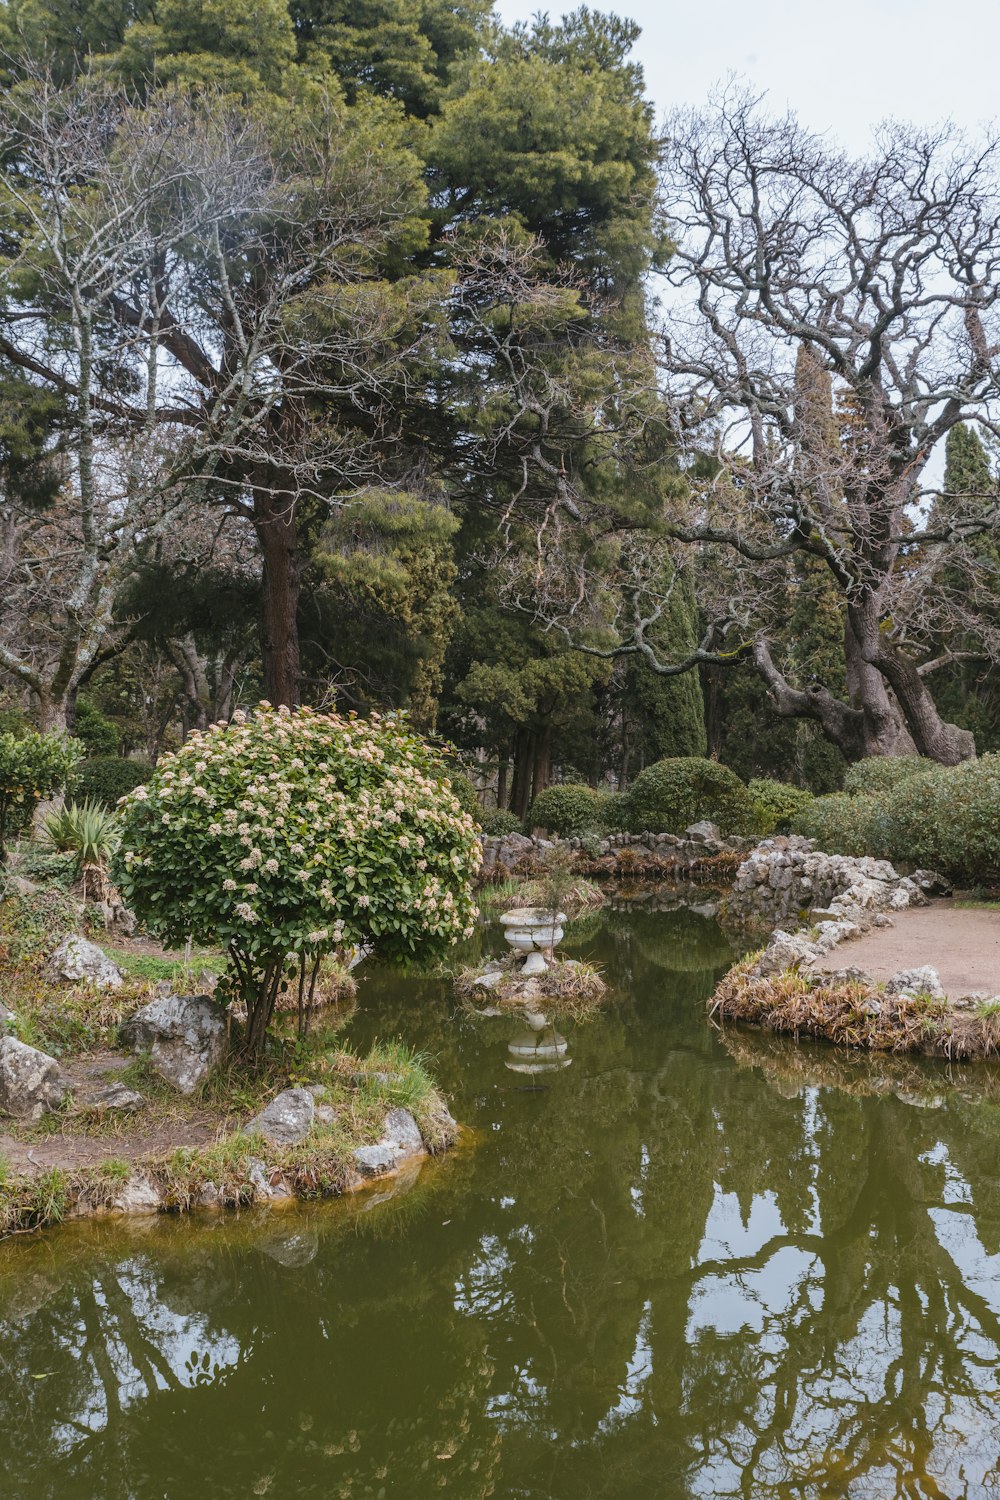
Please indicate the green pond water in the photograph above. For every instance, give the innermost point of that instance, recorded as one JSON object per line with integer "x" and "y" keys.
{"x": 687, "y": 1264}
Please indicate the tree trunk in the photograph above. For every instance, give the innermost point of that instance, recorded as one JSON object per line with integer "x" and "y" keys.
{"x": 502, "y": 769}
{"x": 277, "y": 534}
{"x": 520, "y": 792}
{"x": 922, "y": 728}
{"x": 884, "y": 730}
{"x": 541, "y": 770}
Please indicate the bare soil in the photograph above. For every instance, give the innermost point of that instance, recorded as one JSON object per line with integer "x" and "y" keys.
{"x": 126, "y": 1137}
{"x": 961, "y": 943}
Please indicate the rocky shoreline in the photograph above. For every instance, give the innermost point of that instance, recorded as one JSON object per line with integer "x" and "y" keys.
{"x": 835, "y": 899}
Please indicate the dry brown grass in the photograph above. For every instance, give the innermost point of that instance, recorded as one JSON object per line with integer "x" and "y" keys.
{"x": 853, "y": 1014}
{"x": 568, "y": 990}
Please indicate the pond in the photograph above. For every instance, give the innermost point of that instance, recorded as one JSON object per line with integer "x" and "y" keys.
{"x": 685, "y": 1264}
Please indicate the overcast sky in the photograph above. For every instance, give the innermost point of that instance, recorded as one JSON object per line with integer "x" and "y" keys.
{"x": 842, "y": 65}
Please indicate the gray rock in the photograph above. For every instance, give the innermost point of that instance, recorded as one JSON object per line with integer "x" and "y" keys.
{"x": 31, "y": 1083}
{"x": 785, "y": 951}
{"x": 115, "y": 1098}
{"x": 704, "y": 832}
{"x": 401, "y": 1130}
{"x": 259, "y": 1180}
{"x": 76, "y": 960}
{"x": 185, "y": 1036}
{"x": 375, "y": 1159}
{"x": 923, "y": 981}
{"x": 931, "y": 882}
{"x": 139, "y": 1196}
{"x": 287, "y": 1119}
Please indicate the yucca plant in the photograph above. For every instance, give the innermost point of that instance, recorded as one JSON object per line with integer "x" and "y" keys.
{"x": 88, "y": 831}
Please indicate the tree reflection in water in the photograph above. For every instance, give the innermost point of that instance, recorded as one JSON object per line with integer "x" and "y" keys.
{"x": 693, "y": 1265}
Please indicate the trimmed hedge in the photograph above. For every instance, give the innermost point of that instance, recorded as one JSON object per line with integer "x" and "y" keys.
{"x": 569, "y": 809}
{"x": 775, "y": 803}
{"x": 672, "y": 794}
{"x": 109, "y": 777}
{"x": 881, "y": 773}
{"x": 949, "y": 820}
{"x": 842, "y": 824}
{"x": 499, "y": 822}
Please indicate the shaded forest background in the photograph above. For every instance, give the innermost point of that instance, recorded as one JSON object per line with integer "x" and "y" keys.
{"x": 330, "y": 373}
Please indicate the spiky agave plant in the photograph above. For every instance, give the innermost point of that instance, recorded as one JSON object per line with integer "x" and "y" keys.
{"x": 88, "y": 831}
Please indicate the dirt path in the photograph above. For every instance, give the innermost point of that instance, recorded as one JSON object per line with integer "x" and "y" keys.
{"x": 962, "y": 944}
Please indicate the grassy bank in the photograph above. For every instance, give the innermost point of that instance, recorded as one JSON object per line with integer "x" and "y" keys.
{"x": 183, "y": 1150}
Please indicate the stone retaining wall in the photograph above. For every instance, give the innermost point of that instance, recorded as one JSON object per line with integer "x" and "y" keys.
{"x": 786, "y": 878}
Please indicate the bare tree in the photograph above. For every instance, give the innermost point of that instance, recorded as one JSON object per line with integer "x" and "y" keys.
{"x": 830, "y": 322}
{"x": 835, "y": 319}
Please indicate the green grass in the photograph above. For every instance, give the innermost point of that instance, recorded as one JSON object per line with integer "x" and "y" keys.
{"x": 152, "y": 969}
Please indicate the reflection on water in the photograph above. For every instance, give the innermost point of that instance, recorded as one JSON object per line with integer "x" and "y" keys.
{"x": 691, "y": 1264}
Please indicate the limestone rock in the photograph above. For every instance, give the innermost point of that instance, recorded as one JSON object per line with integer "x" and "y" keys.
{"x": 288, "y": 1118}
{"x": 402, "y": 1131}
{"x": 784, "y": 951}
{"x": 922, "y": 981}
{"x": 139, "y": 1196}
{"x": 116, "y": 1099}
{"x": 375, "y": 1159}
{"x": 931, "y": 883}
{"x": 704, "y": 832}
{"x": 185, "y": 1036}
{"x": 76, "y": 959}
{"x": 31, "y": 1083}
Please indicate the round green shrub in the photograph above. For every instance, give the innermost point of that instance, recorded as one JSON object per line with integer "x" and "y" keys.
{"x": 672, "y": 794}
{"x": 282, "y": 837}
{"x": 949, "y": 820}
{"x": 775, "y": 803}
{"x": 846, "y": 825}
{"x": 98, "y": 735}
{"x": 499, "y": 822}
{"x": 108, "y": 778}
{"x": 573, "y": 807}
{"x": 880, "y": 773}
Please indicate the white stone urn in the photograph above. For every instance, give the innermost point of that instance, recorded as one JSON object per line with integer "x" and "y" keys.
{"x": 533, "y": 931}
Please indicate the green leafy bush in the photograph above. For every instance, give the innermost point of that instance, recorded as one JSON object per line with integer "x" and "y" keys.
{"x": 949, "y": 820}
{"x": 881, "y": 773}
{"x": 32, "y": 766}
{"x": 499, "y": 822}
{"x": 108, "y": 778}
{"x": 841, "y": 824}
{"x": 670, "y": 795}
{"x": 282, "y": 837}
{"x": 98, "y": 735}
{"x": 775, "y": 803}
{"x": 570, "y": 808}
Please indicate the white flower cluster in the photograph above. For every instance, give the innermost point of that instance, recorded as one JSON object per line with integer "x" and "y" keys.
{"x": 301, "y": 829}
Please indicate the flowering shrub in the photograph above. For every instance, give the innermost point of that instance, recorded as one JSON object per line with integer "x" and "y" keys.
{"x": 284, "y": 836}
{"x": 32, "y": 766}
